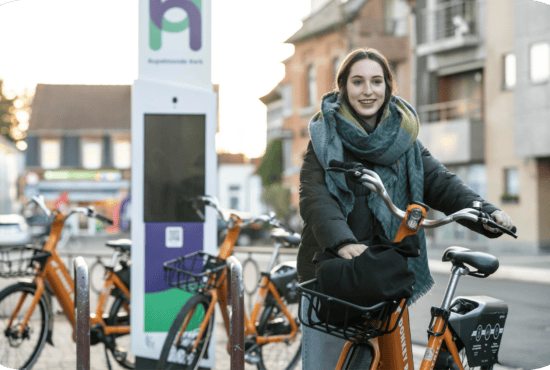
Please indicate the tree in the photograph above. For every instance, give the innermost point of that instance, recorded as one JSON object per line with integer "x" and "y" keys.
{"x": 271, "y": 164}
{"x": 14, "y": 115}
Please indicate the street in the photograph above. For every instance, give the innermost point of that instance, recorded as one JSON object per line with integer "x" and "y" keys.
{"x": 527, "y": 333}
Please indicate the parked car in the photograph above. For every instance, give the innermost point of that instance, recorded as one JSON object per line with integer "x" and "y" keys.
{"x": 14, "y": 231}
{"x": 247, "y": 236}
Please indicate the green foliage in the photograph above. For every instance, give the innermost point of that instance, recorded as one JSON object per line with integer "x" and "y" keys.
{"x": 277, "y": 197}
{"x": 7, "y": 114}
{"x": 271, "y": 165}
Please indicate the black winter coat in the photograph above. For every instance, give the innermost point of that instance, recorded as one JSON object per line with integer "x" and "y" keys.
{"x": 324, "y": 222}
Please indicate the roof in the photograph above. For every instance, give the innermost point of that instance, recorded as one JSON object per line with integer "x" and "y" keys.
{"x": 328, "y": 17}
{"x": 271, "y": 96}
{"x": 97, "y": 107}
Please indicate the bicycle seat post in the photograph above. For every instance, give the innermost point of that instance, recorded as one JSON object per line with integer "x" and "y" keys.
{"x": 457, "y": 272}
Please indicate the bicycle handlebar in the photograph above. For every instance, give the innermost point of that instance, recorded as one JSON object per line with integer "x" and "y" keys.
{"x": 89, "y": 212}
{"x": 213, "y": 202}
{"x": 370, "y": 179}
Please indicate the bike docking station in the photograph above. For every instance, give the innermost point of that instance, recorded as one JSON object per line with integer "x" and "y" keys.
{"x": 174, "y": 121}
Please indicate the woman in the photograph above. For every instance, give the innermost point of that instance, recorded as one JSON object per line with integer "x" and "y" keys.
{"x": 363, "y": 121}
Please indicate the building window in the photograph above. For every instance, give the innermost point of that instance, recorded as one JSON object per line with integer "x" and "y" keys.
{"x": 511, "y": 185}
{"x": 540, "y": 62}
{"x": 311, "y": 86}
{"x": 91, "y": 154}
{"x": 50, "y": 153}
{"x": 234, "y": 196}
{"x": 122, "y": 154}
{"x": 509, "y": 71}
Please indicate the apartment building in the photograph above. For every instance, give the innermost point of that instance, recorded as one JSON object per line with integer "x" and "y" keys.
{"x": 482, "y": 74}
{"x": 328, "y": 34}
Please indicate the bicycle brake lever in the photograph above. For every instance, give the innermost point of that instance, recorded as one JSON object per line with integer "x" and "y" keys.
{"x": 491, "y": 223}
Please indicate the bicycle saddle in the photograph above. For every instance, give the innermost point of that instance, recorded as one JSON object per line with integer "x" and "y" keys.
{"x": 286, "y": 238}
{"x": 486, "y": 264}
{"x": 123, "y": 244}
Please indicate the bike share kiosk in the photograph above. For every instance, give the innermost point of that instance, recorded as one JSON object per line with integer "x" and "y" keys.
{"x": 173, "y": 158}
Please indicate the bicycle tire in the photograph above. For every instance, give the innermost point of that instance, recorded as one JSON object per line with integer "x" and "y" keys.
{"x": 119, "y": 344}
{"x": 279, "y": 355}
{"x": 179, "y": 359}
{"x": 97, "y": 276}
{"x": 10, "y": 344}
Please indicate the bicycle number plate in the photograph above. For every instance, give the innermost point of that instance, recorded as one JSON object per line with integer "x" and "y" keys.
{"x": 481, "y": 329}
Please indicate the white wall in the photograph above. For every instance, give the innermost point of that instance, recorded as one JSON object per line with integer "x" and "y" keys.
{"x": 249, "y": 186}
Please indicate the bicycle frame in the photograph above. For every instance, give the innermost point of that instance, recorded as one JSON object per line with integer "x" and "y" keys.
{"x": 219, "y": 295}
{"x": 394, "y": 350}
{"x": 58, "y": 278}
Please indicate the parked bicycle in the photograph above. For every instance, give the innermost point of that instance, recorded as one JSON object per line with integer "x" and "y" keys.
{"x": 273, "y": 332}
{"x": 26, "y": 308}
{"x": 463, "y": 333}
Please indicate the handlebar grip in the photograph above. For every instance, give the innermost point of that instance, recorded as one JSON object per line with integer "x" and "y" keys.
{"x": 104, "y": 219}
{"x": 511, "y": 232}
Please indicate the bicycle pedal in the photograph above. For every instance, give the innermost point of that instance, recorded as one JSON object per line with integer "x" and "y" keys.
{"x": 252, "y": 358}
{"x": 120, "y": 355}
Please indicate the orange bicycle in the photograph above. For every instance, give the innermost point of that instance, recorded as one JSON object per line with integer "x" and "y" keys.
{"x": 463, "y": 333}
{"x": 26, "y": 313}
{"x": 272, "y": 333}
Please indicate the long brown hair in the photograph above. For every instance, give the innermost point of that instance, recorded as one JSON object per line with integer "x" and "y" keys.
{"x": 371, "y": 54}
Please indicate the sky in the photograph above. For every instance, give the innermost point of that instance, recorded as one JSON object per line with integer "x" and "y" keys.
{"x": 96, "y": 42}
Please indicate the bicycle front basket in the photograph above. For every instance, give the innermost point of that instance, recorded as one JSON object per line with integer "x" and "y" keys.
{"x": 22, "y": 261}
{"x": 357, "y": 324}
{"x": 196, "y": 272}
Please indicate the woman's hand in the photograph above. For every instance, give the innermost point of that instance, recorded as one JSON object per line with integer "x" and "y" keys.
{"x": 351, "y": 250}
{"x": 502, "y": 219}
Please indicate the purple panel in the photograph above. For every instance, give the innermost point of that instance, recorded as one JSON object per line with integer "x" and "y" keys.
{"x": 156, "y": 252}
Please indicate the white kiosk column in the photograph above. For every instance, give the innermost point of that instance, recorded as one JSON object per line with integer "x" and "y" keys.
{"x": 173, "y": 158}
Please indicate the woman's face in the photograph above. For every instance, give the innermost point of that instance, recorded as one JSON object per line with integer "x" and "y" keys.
{"x": 366, "y": 89}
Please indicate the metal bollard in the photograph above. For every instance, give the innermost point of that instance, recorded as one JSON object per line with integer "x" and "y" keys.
{"x": 236, "y": 340}
{"x": 82, "y": 305}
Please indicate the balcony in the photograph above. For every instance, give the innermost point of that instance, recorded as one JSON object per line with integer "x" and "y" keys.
{"x": 451, "y": 25}
{"x": 453, "y": 131}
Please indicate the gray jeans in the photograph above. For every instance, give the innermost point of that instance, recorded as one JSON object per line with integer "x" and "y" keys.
{"x": 319, "y": 350}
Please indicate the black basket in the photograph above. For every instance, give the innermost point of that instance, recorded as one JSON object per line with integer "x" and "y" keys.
{"x": 22, "y": 261}
{"x": 196, "y": 272}
{"x": 359, "y": 324}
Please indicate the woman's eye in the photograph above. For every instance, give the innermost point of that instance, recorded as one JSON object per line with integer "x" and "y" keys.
{"x": 378, "y": 82}
{"x": 357, "y": 82}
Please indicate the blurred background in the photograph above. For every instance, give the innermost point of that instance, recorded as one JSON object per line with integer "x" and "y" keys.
{"x": 477, "y": 72}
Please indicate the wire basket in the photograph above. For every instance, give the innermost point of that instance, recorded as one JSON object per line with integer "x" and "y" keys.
{"x": 346, "y": 320}
{"x": 22, "y": 261}
{"x": 196, "y": 272}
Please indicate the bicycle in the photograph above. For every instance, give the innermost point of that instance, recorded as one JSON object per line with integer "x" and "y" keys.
{"x": 97, "y": 272}
{"x": 26, "y": 308}
{"x": 463, "y": 332}
{"x": 272, "y": 332}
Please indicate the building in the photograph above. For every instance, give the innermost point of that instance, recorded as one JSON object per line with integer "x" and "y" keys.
{"x": 79, "y": 143}
{"x": 482, "y": 72}
{"x": 239, "y": 187}
{"x": 328, "y": 34}
{"x": 11, "y": 168}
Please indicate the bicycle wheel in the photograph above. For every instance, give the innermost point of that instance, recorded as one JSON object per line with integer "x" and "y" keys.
{"x": 177, "y": 353}
{"x": 279, "y": 355}
{"x": 21, "y": 352}
{"x": 120, "y": 343}
{"x": 97, "y": 276}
